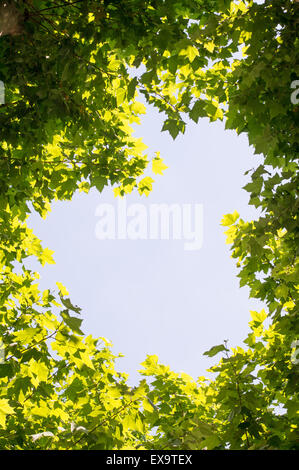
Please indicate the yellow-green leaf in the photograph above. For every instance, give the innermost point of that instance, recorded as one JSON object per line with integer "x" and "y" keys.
{"x": 5, "y": 409}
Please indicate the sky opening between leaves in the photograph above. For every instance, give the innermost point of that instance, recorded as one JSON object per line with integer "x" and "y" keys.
{"x": 152, "y": 296}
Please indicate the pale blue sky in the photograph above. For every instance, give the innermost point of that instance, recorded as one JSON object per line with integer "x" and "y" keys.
{"x": 152, "y": 297}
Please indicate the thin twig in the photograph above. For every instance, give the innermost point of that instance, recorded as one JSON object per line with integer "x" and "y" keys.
{"x": 38, "y": 342}
{"x": 61, "y": 5}
{"x": 102, "y": 422}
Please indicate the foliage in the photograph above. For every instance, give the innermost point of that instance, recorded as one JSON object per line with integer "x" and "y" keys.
{"x": 72, "y": 73}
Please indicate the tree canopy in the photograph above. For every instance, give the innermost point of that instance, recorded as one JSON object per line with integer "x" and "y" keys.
{"x": 73, "y": 72}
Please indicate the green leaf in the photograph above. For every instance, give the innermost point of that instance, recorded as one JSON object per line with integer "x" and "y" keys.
{"x": 73, "y": 322}
{"x": 63, "y": 290}
{"x": 6, "y": 370}
{"x": 68, "y": 304}
{"x": 132, "y": 88}
{"x": 5, "y": 409}
{"x": 230, "y": 219}
{"x": 197, "y": 111}
{"x": 215, "y": 350}
{"x": 120, "y": 96}
{"x": 174, "y": 127}
{"x": 99, "y": 182}
{"x": 158, "y": 166}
